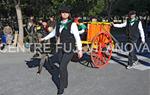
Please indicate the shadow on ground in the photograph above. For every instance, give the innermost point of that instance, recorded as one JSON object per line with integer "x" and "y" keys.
{"x": 49, "y": 66}
{"x": 118, "y": 60}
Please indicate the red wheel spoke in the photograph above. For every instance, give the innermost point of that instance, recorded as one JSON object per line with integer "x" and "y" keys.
{"x": 105, "y": 56}
{"x": 101, "y": 38}
{"x": 101, "y": 49}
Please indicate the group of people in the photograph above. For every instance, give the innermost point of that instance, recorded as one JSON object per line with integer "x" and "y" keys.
{"x": 35, "y": 29}
{"x": 67, "y": 34}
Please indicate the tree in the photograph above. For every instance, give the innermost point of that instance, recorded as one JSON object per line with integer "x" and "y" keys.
{"x": 122, "y": 7}
{"x": 109, "y": 4}
{"x": 20, "y": 22}
{"x": 41, "y": 8}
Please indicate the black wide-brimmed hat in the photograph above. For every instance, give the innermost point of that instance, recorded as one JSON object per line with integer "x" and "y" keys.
{"x": 65, "y": 8}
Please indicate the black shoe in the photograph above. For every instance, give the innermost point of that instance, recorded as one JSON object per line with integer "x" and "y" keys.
{"x": 60, "y": 92}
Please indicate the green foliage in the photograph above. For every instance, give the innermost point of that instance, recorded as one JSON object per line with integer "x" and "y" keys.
{"x": 124, "y": 6}
{"x": 97, "y": 8}
{"x": 42, "y": 8}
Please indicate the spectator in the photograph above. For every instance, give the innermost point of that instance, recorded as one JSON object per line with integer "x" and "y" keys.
{"x": 8, "y": 33}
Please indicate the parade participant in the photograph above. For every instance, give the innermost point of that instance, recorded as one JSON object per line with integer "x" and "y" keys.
{"x": 80, "y": 24}
{"x": 135, "y": 31}
{"x": 68, "y": 37}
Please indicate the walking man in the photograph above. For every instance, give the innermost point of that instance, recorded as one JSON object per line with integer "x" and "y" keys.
{"x": 135, "y": 31}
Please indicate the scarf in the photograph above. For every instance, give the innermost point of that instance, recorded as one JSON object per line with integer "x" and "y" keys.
{"x": 65, "y": 24}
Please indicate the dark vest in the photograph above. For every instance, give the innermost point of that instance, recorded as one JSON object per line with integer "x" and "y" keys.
{"x": 133, "y": 31}
{"x": 67, "y": 39}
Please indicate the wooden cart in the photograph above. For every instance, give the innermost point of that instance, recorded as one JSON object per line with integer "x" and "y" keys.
{"x": 98, "y": 45}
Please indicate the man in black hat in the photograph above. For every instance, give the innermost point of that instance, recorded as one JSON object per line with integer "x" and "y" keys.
{"x": 135, "y": 31}
{"x": 67, "y": 35}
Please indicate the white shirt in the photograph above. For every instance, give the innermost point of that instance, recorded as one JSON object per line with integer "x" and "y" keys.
{"x": 82, "y": 31}
{"x": 74, "y": 31}
{"x": 139, "y": 27}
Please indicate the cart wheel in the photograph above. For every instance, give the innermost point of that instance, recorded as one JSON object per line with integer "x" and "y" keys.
{"x": 101, "y": 49}
{"x": 86, "y": 60}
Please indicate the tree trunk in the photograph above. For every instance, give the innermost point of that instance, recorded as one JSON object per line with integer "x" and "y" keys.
{"x": 110, "y": 4}
{"x": 109, "y": 10}
{"x": 20, "y": 25}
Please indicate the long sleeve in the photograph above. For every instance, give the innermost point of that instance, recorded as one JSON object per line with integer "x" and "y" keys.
{"x": 50, "y": 35}
{"x": 74, "y": 31}
{"x": 81, "y": 31}
{"x": 120, "y": 25}
{"x": 141, "y": 31}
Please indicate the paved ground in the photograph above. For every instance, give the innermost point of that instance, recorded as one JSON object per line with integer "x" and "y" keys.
{"x": 16, "y": 78}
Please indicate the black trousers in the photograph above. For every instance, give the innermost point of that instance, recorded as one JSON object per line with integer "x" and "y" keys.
{"x": 132, "y": 53}
{"x": 64, "y": 59}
